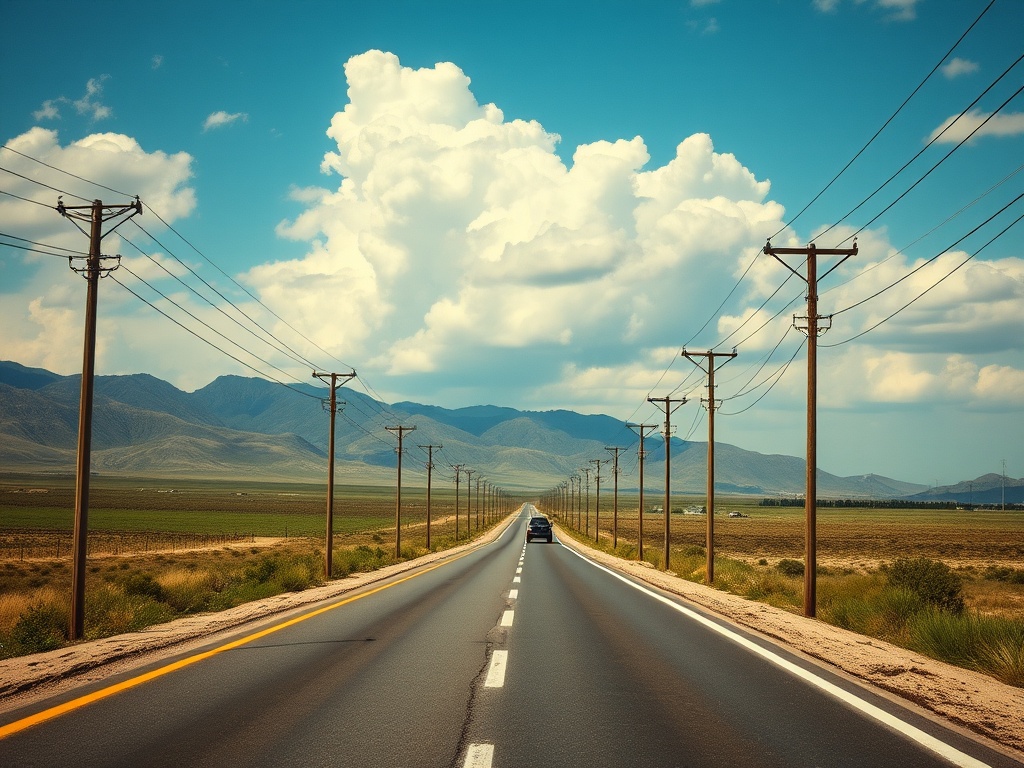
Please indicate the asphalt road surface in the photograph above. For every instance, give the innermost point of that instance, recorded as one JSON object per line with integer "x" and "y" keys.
{"x": 511, "y": 655}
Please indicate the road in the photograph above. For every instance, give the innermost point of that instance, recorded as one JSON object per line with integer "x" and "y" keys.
{"x": 510, "y": 655}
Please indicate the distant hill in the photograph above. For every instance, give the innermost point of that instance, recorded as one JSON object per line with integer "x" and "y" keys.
{"x": 248, "y": 427}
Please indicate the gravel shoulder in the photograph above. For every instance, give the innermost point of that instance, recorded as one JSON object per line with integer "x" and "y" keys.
{"x": 969, "y": 700}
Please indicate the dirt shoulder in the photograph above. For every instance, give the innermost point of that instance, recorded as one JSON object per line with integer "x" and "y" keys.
{"x": 967, "y": 699}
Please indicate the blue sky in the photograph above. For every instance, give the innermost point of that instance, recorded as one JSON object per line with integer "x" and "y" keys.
{"x": 538, "y": 205}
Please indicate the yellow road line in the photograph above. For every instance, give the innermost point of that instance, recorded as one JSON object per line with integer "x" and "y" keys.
{"x": 81, "y": 701}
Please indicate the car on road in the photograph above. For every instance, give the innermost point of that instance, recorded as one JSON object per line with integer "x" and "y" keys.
{"x": 539, "y": 527}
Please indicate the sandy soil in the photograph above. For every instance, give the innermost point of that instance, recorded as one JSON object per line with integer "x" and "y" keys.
{"x": 970, "y": 701}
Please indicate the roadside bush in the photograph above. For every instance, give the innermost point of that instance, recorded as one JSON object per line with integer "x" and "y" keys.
{"x": 770, "y": 587}
{"x": 989, "y": 644}
{"x": 298, "y": 575}
{"x": 261, "y": 571}
{"x": 933, "y": 581}
{"x": 1004, "y": 574}
{"x": 189, "y": 590}
{"x": 43, "y": 627}
{"x": 790, "y": 567}
{"x": 142, "y": 584}
{"x": 110, "y": 610}
{"x": 359, "y": 559}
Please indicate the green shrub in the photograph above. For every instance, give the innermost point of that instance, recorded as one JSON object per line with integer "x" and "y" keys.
{"x": 42, "y": 627}
{"x": 933, "y": 581}
{"x": 111, "y": 611}
{"x": 142, "y": 584}
{"x": 790, "y": 567}
{"x": 989, "y": 644}
{"x": 359, "y": 559}
{"x": 1004, "y": 574}
{"x": 262, "y": 570}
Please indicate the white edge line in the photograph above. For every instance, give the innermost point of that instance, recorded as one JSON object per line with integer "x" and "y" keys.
{"x": 926, "y": 740}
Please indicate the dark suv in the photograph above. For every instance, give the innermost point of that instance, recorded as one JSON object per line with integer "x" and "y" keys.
{"x": 538, "y": 528}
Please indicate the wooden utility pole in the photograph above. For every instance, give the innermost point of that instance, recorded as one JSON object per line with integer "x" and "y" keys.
{"x": 400, "y": 431}
{"x": 597, "y": 504}
{"x": 331, "y": 405}
{"x": 458, "y": 471}
{"x": 642, "y": 430}
{"x": 712, "y": 406}
{"x": 666, "y": 403}
{"x": 813, "y": 329}
{"x": 478, "y": 481}
{"x": 587, "y": 470}
{"x": 95, "y": 214}
{"x": 469, "y": 497}
{"x": 615, "y": 507}
{"x": 430, "y": 469}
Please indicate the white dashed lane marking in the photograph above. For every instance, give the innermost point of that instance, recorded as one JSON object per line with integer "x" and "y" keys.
{"x": 513, "y": 594}
{"x": 496, "y": 672}
{"x": 507, "y": 617}
{"x": 479, "y": 756}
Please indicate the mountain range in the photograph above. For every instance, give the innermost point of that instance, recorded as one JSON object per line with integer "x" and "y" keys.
{"x": 238, "y": 427}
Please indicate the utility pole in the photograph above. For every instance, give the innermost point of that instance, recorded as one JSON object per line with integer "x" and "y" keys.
{"x": 666, "y": 402}
{"x": 712, "y": 406}
{"x": 469, "y": 496}
{"x": 597, "y": 505}
{"x": 642, "y": 430}
{"x": 96, "y": 215}
{"x": 430, "y": 469}
{"x": 587, "y": 471}
{"x": 458, "y": 469}
{"x": 572, "y": 501}
{"x": 400, "y": 431}
{"x": 478, "y": 480}
{"x": 615, "y": 508}
{"x": 813, "y": 329}
{"x": 331, "y": 379}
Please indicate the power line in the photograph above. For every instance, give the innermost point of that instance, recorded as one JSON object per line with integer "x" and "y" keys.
{"x": 201, "y": 338}
{"x": 933, "y": 285}
{"x": 931, "y": 231}
{"x": 931, "y": 260}
{"x": 778, "y": 377}
{"x": 887, "y": 122}
{"x": 289, "y": 353}
{"x": 921, "y": 151}
{"x": 68, "y": 173}
{"x": 41, "y": 184}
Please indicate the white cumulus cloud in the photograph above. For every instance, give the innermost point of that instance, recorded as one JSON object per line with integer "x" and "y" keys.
{"x": 957, "y": 128}
{"x": 956, "y": 67}
{"x": 452, "y": 230}
{"x": 221, "y": 118}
